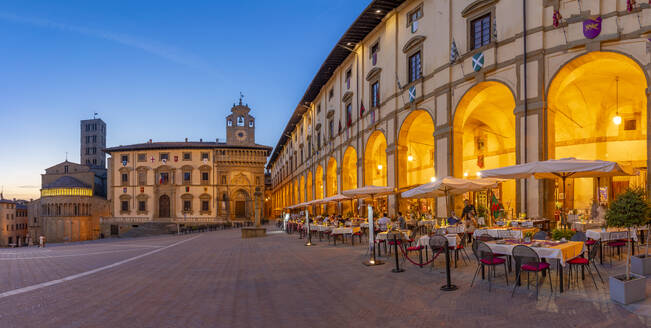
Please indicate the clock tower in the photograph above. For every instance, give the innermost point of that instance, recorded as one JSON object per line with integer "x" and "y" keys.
{"x": 240, "y": 126}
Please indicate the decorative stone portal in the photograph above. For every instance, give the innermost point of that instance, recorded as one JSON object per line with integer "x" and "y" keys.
{"x": 257, "y": 230}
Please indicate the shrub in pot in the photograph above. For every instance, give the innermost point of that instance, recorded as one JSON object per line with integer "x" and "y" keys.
{"x": 629, "y": 210}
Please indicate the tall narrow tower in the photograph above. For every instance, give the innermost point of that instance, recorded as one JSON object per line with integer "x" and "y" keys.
{"x": 240, "y": 126}
{"x": 93, "y": 141}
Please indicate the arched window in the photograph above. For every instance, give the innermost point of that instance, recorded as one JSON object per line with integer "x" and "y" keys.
{"x": 240, "y": 121}
{"x": 229, "y": 122}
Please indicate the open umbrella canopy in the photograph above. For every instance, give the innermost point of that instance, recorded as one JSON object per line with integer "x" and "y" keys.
{"x": 561, "y": 168}
{"x": 331, "y": 199}
{"x": 449, "y": 186}
{"x": 368, "y": 191}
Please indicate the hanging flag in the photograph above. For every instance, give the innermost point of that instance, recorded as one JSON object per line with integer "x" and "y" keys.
{"x": 480, "y": 161}
{"x": 361, "y": 109}
{"x": 630, "y": 5}
{"x": 374, "y": 57}
{"x": 124, "y": 190}
{"x": 592, "y": 27}
{"x": 477, "y": 61}
{"x": 372, "y": 116}
{"x": 160, "y": 180}
{"x": 454, "y": 52}
{"x": 152, "y": 159}
{"x": 412, "y": 94}
{"x": 124, "y": 163}
{"x": 176, "y": 158}
{"x": 557, "y": 18}
{"x": 142, "y": 189}
{"x": 494, "y": 28}
{"x": 398, "y": 82}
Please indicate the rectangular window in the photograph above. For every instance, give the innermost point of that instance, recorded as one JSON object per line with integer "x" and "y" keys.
{"x": 164, "y": 178}
{"x": 142, "y": 206}
{"x": 205, "y": 206}
{"x": 164, "y": 156}
{"x": 413, "y": 17}
{"x": 251, "y": 123}
{"x": 204, "y": 176}
{"x": 87, "y": 139}
{"x": 94, "y": 139}
{"x": 629, "y": 125}
{"x": 331, "y": 128}
{"x": 187, "y": 176}
{"x": 124, "y": 158}
{"x": 331, "y": 93}
{"x": 349, "y": 114}
{"x": 375, "y": 94}
{"x": 229, "y": 122}
{"x": 187, "y": 205}
{"x": 125, "y": 177}
{"x": 480, "y": 32}
{"x": 142, "y": 178}
{"x": 142, "y": 157}
{"x": 125, "y": 205}
{"x": 374, "y": 52}
{"x": 94, "y": 150}
{"x": 187, "y": 156}
{"x": 223, "y": 179}
{"x": 414, "y": 67}
{"x": 349, "y": 74}
{"x": 205, "y": 156}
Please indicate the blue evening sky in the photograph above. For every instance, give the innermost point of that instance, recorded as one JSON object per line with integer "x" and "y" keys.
{"x": 164, "y": 70}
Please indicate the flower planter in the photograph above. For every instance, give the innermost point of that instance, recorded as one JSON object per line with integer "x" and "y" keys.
{"x": 641, "y": 265}
{"x": 626, "y": 292}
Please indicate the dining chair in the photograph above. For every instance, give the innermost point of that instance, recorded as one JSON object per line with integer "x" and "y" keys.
{"x": 616, "y": 239}
{"x": 528, "y": 261}
{"x": 540, "y": 235}
{"x": 585, "y": 263}
{"x": 487, "y": 259}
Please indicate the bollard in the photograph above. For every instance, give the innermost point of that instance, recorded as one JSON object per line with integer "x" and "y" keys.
{"x": 397, "y": 269}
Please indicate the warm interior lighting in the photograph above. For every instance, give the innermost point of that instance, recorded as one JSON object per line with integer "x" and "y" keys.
{"x": 433, "y": 179}
{"x": 479, "y": 174}
{"x": 410, "y": 158}
{"x": 465, "y": 174}
{"x": 379, "y": 167}
{"x": 617, "y": 120}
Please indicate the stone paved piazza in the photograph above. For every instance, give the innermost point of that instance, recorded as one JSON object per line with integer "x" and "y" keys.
{"x": 217, "y": 279}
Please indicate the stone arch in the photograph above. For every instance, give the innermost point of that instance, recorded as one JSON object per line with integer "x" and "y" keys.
{"x": 349, "y": 169}
{"x": 331, "y": 177}
{"x": 318, "y": 182}
{"x": 597, "y": 107}
{"x": 375, "y": 160}
{"x": 416, "y": 149}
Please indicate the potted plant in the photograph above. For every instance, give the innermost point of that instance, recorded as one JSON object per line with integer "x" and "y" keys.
{"x": 641, "y": 263}
{"x": 482, "y": 213}
{"x": 562, "y": 234}
{"x": 528, "y": 236}
{"x": 629, "y": 210}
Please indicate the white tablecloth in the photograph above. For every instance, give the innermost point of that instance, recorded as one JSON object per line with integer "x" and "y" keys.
{"x": 455, "y": 229}
{"x": 318, "y": 227}
{"x": 347, "y": 230}
{"x": 499, "y": 233}
{"x": 543, "y": 252}
{"x": 584, "y": 226}
{"x": 383, "y": 235}
{"x": 453, "y": 240}
{"x": 426, "y": 222}
{"x": 597, "y": 234}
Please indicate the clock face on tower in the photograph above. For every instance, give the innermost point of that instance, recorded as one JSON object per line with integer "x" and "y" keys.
{"x": 240, "y": 135}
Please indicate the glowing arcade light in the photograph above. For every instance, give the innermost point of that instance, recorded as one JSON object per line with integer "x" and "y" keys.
{"x": 465, "y": 174}
{"x": 379, "y": 167}
{"x": 433, "y": 179}
{"x": 410, "y": 158}
{"x": 479, "y": 174}
{"x": 617, "y": 120}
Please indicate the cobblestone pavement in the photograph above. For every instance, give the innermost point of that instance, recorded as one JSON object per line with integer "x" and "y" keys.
{"x": 216, "y": 279}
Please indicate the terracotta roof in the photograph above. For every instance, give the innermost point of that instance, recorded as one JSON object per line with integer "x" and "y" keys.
{"x": 363, "y": 25}
{"x": 66, "y": 182}
{"x": 183, "y": 145}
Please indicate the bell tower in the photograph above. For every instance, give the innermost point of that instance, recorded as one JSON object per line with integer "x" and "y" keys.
{"x": 240, "y": 125}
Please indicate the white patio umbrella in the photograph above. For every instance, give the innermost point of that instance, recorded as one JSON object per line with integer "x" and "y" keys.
{"x": 562, "y": 168}
{"x": 449, "y": 186}
{"x": 372, "y": 192}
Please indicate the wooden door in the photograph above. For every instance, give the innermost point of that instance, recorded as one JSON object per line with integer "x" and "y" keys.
{"x": 164, "y": 206}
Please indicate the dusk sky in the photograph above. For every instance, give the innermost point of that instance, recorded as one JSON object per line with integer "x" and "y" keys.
{"x": 161, "y": 70}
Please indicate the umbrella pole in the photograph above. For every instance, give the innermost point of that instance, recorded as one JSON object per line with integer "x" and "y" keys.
{"x": 563, "y": 215}
{"x": 371, "y": 239}
{"x": 309, "y": 235}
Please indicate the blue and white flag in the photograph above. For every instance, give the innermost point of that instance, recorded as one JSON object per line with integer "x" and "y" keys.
{"x": 454, "y": 52}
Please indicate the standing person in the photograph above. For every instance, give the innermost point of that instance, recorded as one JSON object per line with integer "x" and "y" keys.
{"x": 468, "y": 210}
{"x": 41, "y": 241}
{"x": 383, "y": 222}
{"x": 401, "y": 221}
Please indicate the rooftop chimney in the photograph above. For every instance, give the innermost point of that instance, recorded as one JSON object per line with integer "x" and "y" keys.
{"x": 186, "y": 139}
{"x": 200, "y": 140}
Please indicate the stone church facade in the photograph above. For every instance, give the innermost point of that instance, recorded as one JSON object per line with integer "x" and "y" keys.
{"x": 187, "y": 182}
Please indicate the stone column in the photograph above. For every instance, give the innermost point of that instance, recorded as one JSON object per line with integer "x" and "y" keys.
{"x": 257, "y": 198}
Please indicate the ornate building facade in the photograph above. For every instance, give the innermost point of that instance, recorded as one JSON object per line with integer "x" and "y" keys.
{"x": 13, "y": 223}
{"x": 416, "y": 90}
{"x": 73, "y": 198}
{"x": 189, "y": 181}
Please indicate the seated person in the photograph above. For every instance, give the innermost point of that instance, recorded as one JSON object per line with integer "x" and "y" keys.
{"x": 453, "y": 219}
{"x": 383, "y": 222}
{"x": 401, "y": 221}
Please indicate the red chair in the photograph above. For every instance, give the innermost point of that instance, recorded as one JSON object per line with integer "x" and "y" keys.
{"x": 486, "y": 259}
{"x": 528, "y": 261}
{"x": 582, "y": 262}
{"x": 616, "y": 239}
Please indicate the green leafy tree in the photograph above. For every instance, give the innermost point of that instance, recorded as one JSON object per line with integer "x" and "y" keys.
{"x": 630, "y": 210}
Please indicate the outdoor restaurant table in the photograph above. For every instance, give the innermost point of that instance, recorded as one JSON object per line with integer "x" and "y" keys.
{"x": 455, "y": 228}
{"x": 604, "y": 236}
{"x": 585, "y": 225}
{"x": 453, "y": 240}
{"x": 508, "y": 232}
{"x": 559, "y": 251}
{"x": 383, "y": 235}
{"x": 426, "y": 222}
{"x": 342, "y": 231}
